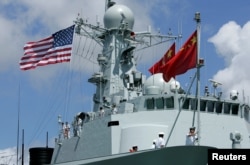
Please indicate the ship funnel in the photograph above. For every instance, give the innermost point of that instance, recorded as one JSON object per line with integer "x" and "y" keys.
{"x": 40, "y": 155}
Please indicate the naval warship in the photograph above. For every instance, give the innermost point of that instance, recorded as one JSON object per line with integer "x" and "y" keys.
{"x": 130, "y": 109}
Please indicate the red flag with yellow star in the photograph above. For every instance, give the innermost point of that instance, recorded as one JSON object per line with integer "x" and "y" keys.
{"x": 156, "y": 68}
{"x": 184, "y": 60}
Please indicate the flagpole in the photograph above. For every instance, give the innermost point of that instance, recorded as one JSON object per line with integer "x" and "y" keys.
{"x": 18, "y": 125}
{"x": 198, "y": 26}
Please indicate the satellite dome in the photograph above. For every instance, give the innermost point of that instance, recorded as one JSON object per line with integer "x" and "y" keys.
{"x": 117, "y": 15}
{"x": 158, "y": 81}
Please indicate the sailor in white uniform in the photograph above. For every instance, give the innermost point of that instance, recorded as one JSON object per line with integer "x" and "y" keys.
{"x": 160, "y": 142}
{"x": 102, "y": 112}
{"x": 191, "y": 137}
{"x": 79, "y": 126}
{"x": 66, "y": 128}
{"x": 114, "y": 109}
{"x": 153, "y": 145}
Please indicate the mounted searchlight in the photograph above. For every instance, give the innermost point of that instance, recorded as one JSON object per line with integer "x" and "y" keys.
{"x": 234, "y": 94}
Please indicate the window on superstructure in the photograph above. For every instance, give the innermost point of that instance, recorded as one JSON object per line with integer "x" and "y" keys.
{"x": 170, "y": 102}
{"x": 186, "y": 104}
{"x": 210, "y": 106}
{"x": 227, "y": 107}
{"x": 203, "y": 105}
{"x": 113, "y": 123}
{"x": 150, "y": 103}
{"x": 235, "y": 109}
{"x": 218, "y": 107}
{"x": 193, "y": 104}
{"x": 159, "y": 102}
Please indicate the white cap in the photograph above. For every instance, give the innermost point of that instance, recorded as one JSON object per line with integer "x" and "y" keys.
{"x": 161, "y": 133}
{"x": 192, "y": 127}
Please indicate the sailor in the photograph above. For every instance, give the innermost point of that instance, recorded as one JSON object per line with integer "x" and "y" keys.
{"x": 79, "y": 125}
{"x": 133, "y": 149}
{"x": 114, "y": 109}
{"x": 66, "y": 130}
{"x": 154, "y": 144}
{"x": 160, "y": 142}
{"x": 191, "y": 137}
{"x": 102, "y": 113}
{"x": 61, "y": 135}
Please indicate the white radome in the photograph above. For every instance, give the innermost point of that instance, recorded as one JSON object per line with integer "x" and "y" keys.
{"x": 158, "y": 81}
{"x": 117, "y": 14}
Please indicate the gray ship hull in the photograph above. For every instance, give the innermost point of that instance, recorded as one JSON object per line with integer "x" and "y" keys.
{"x": 180, "y": 155}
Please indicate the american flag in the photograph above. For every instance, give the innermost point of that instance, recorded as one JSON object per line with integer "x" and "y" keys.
{"x": 51, "y": 50}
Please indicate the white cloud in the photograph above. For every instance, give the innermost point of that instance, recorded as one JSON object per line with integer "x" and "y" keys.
{"x": 9, "y": 156}
{"x": 232, "y": 43}
{"x": 9, "y": 44}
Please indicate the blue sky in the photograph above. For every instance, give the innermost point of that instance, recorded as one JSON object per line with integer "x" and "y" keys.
{"x": 46, "y": 92}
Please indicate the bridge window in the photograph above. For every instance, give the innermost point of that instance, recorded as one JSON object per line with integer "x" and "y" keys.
{"x": 203, "y": 105}
{"x": 218, "y": 107}
{"x": 235, "y": 109}
{"x": 193, "y": 104}
{"x": 210, "y": 106}
{"x": 227, "y": 108}
{"x": 186, "y": 104}
{"x": 159, "y": 102}
{"x": 150, "y": 103}
{"x": 170, "y": 102}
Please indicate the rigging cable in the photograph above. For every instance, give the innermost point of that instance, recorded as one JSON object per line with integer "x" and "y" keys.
{"x": 78, "y": 46}
{"x": 84, "y": 45}
{"x": 52, "y": 107}
{"x": 180, "y": 109}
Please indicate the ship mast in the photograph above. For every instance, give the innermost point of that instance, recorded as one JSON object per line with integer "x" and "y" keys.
{"x": 199, "y": 64}
{"x": 108, "y": 4}
{"x": 118, "y": 79}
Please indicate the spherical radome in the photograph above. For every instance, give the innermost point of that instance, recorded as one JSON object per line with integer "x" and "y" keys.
{"x": 157, "y": 80}
{"x": 118, "y": 14}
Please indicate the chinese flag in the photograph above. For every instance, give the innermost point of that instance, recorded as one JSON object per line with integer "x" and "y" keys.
{"x": 156, "y": 68}
{"x": 184, "y": 60}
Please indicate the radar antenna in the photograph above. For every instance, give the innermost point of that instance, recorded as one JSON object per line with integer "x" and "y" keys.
{"x": 215, "y": 85}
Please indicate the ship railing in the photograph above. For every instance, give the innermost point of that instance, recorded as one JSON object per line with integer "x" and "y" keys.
{"x": 98, "y": 115}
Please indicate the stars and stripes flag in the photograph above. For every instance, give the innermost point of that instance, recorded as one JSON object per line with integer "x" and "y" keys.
{"x": 51, "y": 50}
